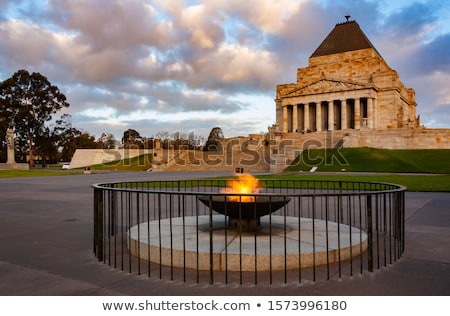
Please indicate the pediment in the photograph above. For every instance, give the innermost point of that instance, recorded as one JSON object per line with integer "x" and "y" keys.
{"x": 325, "y": 86}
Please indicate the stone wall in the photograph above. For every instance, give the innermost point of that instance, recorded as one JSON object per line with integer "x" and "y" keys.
{"x": 14, "y": 166}
{"x": 386, "y": 139}
{"x": 250, "y": 153}
{"x": 89, "y": 157}
{"x": 356, "y": 65}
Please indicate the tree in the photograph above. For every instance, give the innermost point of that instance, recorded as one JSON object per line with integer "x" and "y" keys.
{"x": 47, "y": 138}
{"x": 70, "y": 138}
{"x": 106, "y": 141}
{"x": 132, "y": 139}
{"x": 214, "y": 142}
{"x": 29, "y": 102}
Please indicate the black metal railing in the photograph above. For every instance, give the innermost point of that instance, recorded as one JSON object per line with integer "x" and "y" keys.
{"x": 324, "y": 230}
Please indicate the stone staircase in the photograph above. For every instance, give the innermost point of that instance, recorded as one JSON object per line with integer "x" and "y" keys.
{"x": 190, "y": 160}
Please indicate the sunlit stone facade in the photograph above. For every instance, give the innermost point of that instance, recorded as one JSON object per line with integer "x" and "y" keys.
{"x": 347, "y": 85}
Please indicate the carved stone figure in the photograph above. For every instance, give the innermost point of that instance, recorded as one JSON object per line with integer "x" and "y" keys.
{"x": 10, "y": 143}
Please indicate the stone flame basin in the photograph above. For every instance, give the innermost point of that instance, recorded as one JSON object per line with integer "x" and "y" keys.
{"x": 244, "y": 215}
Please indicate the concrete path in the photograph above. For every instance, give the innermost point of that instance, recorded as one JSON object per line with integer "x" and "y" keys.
{"x": 46, "y": 247}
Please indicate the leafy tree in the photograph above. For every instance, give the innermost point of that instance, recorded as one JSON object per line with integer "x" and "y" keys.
{"x": 3, "y": 149}
{"x": 214, "y": 142}
{"x": 132, "y": 139}
{"x": 29, "y": 101}
{"x": 106, "y": 141}
{"x": 71, "y": 138}
{"x": 48, "y": 145}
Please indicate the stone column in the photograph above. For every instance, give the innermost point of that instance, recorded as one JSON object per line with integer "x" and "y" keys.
{"x": 295, "y": 118}
{"x": 369, "y": 113}
{"x": 306, "y": 106}
{"x": 344, "y": 114}
{"x": 331, "y": 115}
{"x": 319, "y": 116}
{"x": 285, "y": 119}
{"x": 10, "y": 144}
{"x": 357, "y": 113}
{"x": 374, "y": 113}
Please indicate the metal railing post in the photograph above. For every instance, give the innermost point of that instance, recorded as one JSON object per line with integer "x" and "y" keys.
{"x": 98, "y": 224}
{"x": 369, "y": 234}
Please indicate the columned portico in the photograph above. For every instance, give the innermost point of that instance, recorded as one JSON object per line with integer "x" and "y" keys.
{"x": 306, "y": 115}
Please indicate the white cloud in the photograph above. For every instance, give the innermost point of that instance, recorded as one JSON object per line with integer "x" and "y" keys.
{"x": 161, "y": 64}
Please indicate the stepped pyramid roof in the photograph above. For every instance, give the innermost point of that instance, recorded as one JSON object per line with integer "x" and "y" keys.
{"x": 345, "y": 37}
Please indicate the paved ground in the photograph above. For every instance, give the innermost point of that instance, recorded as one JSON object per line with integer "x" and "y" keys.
{"x": 46, "y": 247}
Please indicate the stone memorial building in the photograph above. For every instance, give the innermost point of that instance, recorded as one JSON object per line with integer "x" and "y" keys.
{"x": 349, "y": 91}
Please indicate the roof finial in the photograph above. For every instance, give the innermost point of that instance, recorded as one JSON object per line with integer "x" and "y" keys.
{"x": 347, "y": 16}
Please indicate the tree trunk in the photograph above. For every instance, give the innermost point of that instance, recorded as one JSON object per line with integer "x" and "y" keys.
{"x": 30, "y": 150}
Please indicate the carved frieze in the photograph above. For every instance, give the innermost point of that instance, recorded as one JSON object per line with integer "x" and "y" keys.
{"x": 324, "y": 86}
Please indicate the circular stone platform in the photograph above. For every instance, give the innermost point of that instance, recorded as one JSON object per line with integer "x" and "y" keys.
{"x": 191, "y": 248}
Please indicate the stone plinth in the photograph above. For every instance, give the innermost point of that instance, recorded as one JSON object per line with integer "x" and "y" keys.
{"x": 234, "y": 252}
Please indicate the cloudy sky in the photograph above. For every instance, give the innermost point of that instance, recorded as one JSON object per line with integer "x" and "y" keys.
{"x": 188, "y": 66}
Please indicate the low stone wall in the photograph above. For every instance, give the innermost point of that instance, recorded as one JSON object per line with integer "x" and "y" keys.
{"x": 14, "y": 166}
{"x": 386, "y": 139}
{"x": 402, "y": 139}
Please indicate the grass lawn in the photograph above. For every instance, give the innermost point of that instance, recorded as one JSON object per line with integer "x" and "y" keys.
{"x": 35, "y": 173}
{"x": 139, "y": 163}
{"x": 374, "y": 160}
{"x": 420, "y": 183}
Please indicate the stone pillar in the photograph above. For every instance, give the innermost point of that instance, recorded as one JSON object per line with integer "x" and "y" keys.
{"x": 330, "y": 115}
{"x": 374, "y": 113}
{"x": 369, "y": 113}
{"x": 10, "y": 144}
{"x": 357, "y": 113}
{"x": 344, "y": 114}
{"x": 295, "y": 118}
{"x": 319, "y": 116}
{"x": 285, "y": 119}
{"x": 307, "y": 127}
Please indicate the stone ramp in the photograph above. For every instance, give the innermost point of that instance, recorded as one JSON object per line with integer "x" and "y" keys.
{"x": 89, "y": 157}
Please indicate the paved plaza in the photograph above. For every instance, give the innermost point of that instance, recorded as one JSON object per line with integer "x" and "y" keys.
{"x": 46, "y": 247}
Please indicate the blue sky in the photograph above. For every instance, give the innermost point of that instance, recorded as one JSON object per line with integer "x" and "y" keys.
{"x": 188, "y": 66}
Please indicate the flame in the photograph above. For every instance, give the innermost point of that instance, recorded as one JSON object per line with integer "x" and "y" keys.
{"x": 246, "y": 183}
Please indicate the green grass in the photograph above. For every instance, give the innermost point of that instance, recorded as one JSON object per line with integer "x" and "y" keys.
{"x": 418, "y": 183}
{"x": 34, "y": 173}
{"x": 139, "y": 163}
{"x": 374, "y": 160}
